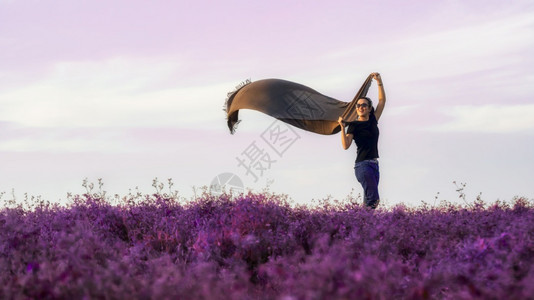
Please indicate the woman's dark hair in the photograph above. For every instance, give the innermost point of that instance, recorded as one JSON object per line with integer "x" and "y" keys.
{"x": 370, "y": 102}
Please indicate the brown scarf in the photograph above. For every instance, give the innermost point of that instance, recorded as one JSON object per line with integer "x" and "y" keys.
{"x": 292, "y": 103}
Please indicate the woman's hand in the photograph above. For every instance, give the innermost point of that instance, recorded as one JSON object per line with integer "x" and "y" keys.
{"x": 341, "y": 122}
{"x": 376, "y": 76}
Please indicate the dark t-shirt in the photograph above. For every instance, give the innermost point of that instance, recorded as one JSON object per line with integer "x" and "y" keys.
{"x": 365, "y": 134}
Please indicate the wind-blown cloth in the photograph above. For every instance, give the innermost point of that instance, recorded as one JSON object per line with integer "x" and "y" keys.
{"x": 292, "y": 103}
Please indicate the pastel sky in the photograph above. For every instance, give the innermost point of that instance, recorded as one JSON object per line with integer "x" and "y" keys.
{"x": 131, "y": 90}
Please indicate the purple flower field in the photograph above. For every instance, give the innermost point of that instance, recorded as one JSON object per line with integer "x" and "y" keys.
{"x": 258, "y": 246}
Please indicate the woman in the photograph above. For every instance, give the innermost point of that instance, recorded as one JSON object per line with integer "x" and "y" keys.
{"x": 364, "y": 132}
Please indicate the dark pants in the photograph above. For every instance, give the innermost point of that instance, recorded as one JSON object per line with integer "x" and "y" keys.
{"x": 368, "y": 175}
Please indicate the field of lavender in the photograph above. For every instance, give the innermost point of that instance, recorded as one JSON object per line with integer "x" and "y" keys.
{"x": 260, "y": 246}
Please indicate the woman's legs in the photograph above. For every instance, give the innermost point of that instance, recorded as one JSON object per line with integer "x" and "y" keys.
{"x": 368, "y": 175}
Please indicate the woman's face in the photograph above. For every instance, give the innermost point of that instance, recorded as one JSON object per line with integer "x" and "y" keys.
{"x": 362, "y": 107}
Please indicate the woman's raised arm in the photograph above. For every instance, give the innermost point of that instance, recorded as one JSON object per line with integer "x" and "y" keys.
{"x": 381, "y": 96}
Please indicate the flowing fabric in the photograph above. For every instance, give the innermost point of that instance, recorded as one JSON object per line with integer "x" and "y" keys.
{"x": 292, "y": 103}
